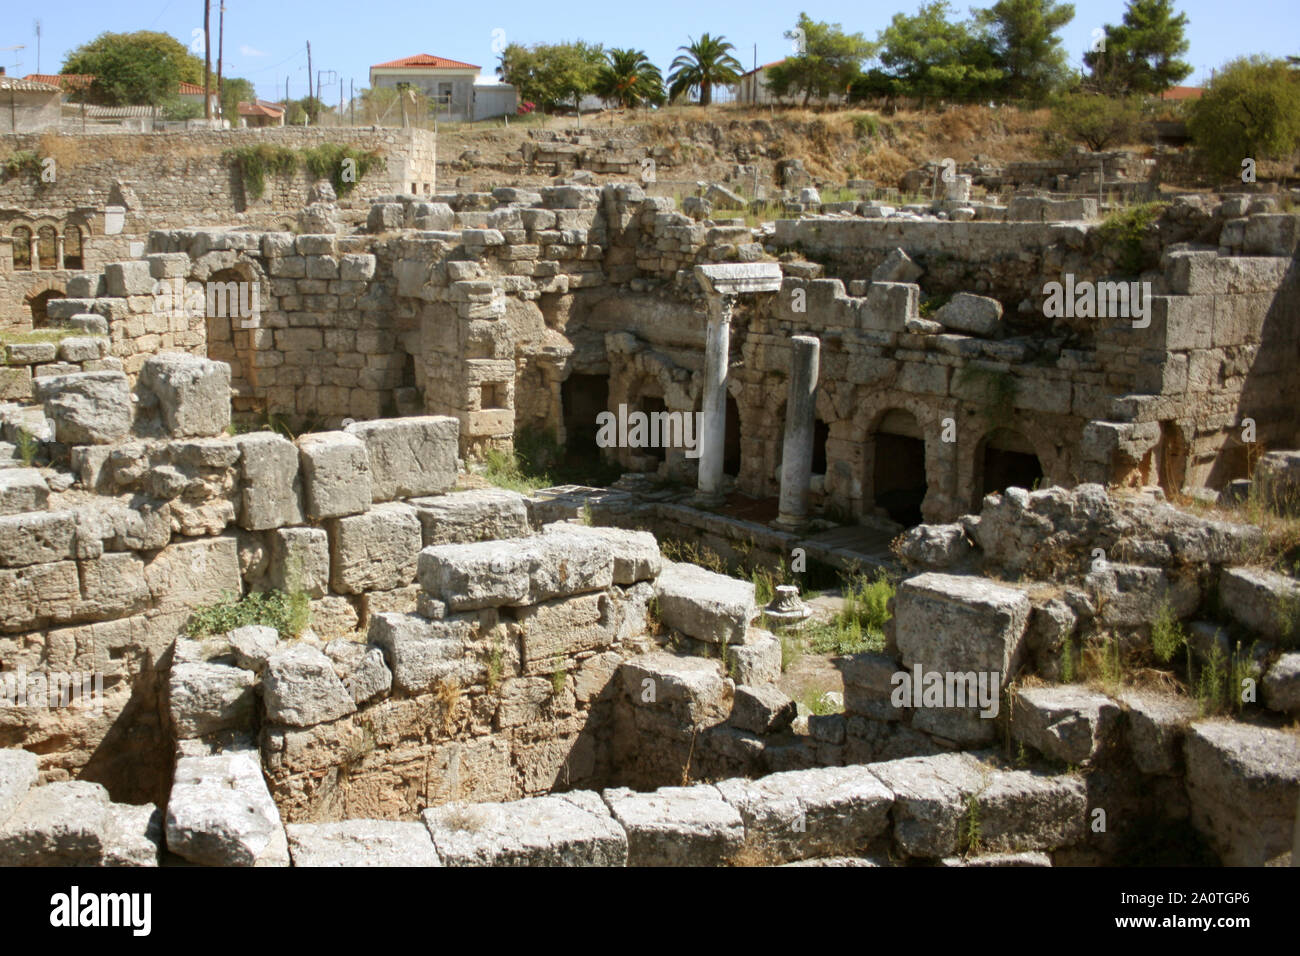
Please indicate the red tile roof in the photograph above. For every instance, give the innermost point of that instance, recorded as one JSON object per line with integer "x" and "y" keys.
{"x": 258, "y": 109}
{"x": 1182, "y": 93}
{"x": 64, "y": 81}
{"x": 425, "y": 61}
{"x": 764, "y": 67}
{"x": 194, "y": 89}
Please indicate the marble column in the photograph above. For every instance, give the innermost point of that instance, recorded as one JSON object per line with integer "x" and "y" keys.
{"x": 800, "y": 413}
{"x": 713, "y": 403}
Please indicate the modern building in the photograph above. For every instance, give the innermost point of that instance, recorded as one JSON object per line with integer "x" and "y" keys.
{"x": 28, "y": 106}
{"x": 448, "y": 83}
{"x": 261, "y": 114}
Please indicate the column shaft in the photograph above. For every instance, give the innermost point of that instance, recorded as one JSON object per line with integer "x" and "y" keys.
{"x": 800, "y": 413}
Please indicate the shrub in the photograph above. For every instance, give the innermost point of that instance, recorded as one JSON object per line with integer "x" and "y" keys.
{"x": 255, "y": 163}
{"x": 1125, "y": 229}
{"x": 1167, "y": 634}
{"x": 287, "y": 613}
{"x": 1250, "y": 109}
{"x": 330, "y": 161}
{"x": 1095, "y": 120}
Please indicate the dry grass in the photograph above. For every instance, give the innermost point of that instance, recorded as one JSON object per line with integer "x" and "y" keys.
{"x": 448, "y": 694}
{"x": 753, "y": 852}
{"x": 467, "y": 819}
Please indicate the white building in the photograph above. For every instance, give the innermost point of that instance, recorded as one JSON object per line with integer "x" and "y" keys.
{"x": 454, "y": 86}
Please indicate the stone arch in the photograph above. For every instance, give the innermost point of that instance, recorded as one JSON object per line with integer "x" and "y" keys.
{"x": 898, "y": 481}
{"x": 1004, "y": 458}
{"x": 37, "y": 298}
{"x": 21, "y": 241}
{"x": 228, "y": 335}
{"x": 47, "y": 246}
{"x": 74, "y": 246}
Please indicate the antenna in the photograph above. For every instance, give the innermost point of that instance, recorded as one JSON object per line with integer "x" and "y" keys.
{"x": 38, "y": 45}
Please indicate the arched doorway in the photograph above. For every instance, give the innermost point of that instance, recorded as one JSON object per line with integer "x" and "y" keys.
{"x": 1005, "y": 459}
{"x": 898, "y": 479}
{"x": 38, "y": 303}
{"x": 583, "y": 398}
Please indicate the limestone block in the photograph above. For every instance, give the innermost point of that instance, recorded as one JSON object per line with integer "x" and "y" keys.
{"x": 270, "y": 490}
{"x": 703, "y": 604}
{"x": 1265, "y": 602}
{"x": 556, "y": 630}
{"x": 22, "y": 489}
{"x": 930, "y": 800}
{"x": 959, "y": 623}
{"x": 18, "y": 773}
{"x": 220, "y": 813}
{"x": 129, "y": 278}
{"x": 1155, "y": 727}
{"x": 1066, "y": 723}
{"x": 691, "y": 690}
{"x": 897, "y": 267}
{"x": 570, "y": 829}
{"x": 253, "y": 645}
{"x": 87, "y": 408}
{"x": 807, "y": 813}
{"x": 82, "y": 348}
{"x": 636, "y": 553}
{"x": 15, "y": 383}
{"x": 193, "y": 393}
{"x": 59, "y": 824}
{"x": 335, "y": 473}
{"x": 134, "y": 835}
{"x": 764, "y": 709}
{"x": 300, "y": 688}
{"x": 204, "y": 698}
{"x": 1282, "y": 684}
{"x": 377, "y": 550}
{"x": 756, "y": 662}
{"x": 974, "y": 314}
{"x": 420, "y": 652}
{"x": 410, "y": 456}
{"x": 677, "y": 826}
{"x": 361, "y": 843}
{"x": 300, "y": 561}
{"x": 1030, "y": 810}
{"x": 1244, "y": 785}
{"x": 463, "y": 517}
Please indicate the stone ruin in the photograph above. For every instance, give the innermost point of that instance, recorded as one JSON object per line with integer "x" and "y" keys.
{"x": 496, "y": 678}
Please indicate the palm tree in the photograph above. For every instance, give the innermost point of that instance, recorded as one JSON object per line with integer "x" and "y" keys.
{"x": 706, "y": 61}
{"x": 630, "y": 79}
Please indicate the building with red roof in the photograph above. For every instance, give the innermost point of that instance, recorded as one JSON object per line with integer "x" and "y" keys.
{"x": 448, "y": 84}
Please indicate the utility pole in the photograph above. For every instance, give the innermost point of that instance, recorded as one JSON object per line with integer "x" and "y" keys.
{"x": 221, "y": 44}
{"x": 207, "y": 60}
{"x": 352, "y": 102}
{"x": 309, "y": 94}
{"x": 38, "y": 46}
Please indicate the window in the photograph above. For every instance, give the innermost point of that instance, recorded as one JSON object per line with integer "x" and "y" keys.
{"x": 22, "y": 248}
{"x": 47, "y": 247}
{"x": 72, "y": 256}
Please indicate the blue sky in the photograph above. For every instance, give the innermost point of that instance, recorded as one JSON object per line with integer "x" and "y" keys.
{"x": 265, "y": 41}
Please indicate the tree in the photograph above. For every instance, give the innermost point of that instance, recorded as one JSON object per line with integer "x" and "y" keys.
{"x": 829, "y": 60}
{"x": 1250, "y": 110}
{"x": 703, "y": 64}
{"x": 551, "y": 74}
{"x": 1095, "y": 119}
{"x": 1021, "y": 36}
{"x": 235, "y": 90}
{"x": 928, "y": 55}
{"x": 630, "y": 80}
{"x": 133, "y": 69}
{"x": 1141, "y": 54}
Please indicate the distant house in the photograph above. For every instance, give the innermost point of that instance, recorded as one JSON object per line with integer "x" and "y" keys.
{"x": 1182, "y": 93}
{"x": 456, "y": 87}
{"x": 27, "y": 106}
{"x": 261, "y": 113}
{"x": 193, "y": 93}
{"x": 71, "y": 83}
{"x": 753, "y": 89}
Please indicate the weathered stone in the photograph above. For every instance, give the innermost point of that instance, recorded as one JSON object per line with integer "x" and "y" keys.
{"x": 253, "y": 645}
{"x": 300, "y": 688}
{"x": 1066, "y": 723}
{"x": 193, "y": 393}
{"x": 59, "y": 824}
{"x": 807, "y": 813}
{"x": 897, "y": 267}
{"x": 1244, "y": 785}
{"x": 692, "y": 689}
{"x": 361, "y": 843}
{"x": 270, "y": 490}
{"x": 87, "y": 408}
{"x": 677, "y": 826}
{"x": 1029, "y": 810}
{"x": 204, "y": 698}
{"x": 553, "y": 631}
{"x": 37, "y": 537}
{"x": 570, "y": 829}
{"x": 18, "y": 773}
{"x": 1282, "y": 684}
{"x": 703, "y": 604}
{"x": 1266, "y": 602}
{"x": 300, "y": 560}
{"x": 370, "y": 678}
{"x": 1155, "y": 727}
{"x": 22, "y": 489}
{"x": 335, "y": 474}
{"x": 421, "y": 652}
{"x": 221, "y": 814}
{"x": 377, "y": 550}
{"x": 931, "y": 800}
{"x": 755, "y": 662}
{"x": 410, "y": 456}
{"x": 764, "y": 709}
{"x": 973, "y": 314}
{"x": 464, "y": 517}
{"x": 134, "y": 836}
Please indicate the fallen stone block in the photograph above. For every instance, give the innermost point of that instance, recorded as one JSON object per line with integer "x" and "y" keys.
{"x": 134, "y": 836}
{"x": 704, "y": 605}
{"x": 59, "y": 824}
{"x": 1244, "y": 786}
{"x": 897, "y": 267}
{"x": 1066, "y": 723}
{"x": 300, "y": 688}
{"x": 361, "y": 843}
{"x": 570, "y": 829}
{"x": 691, "y": 689}
{"x": 193, "y": 393}
{"x": 1282, "y": 684}
{"x": 1266, "y": 602}
{"x": 808, "y": 813}
{"x": 677, "y": 826}
{"x": 22, "y": 489}
{"x": 205, "y": 698}
{"x": 87, "y": 408}
{"x": 763, "y": 710}
{"x": 220, "y": 813}
{"x": 335, "y": 474}
{"x": 463, "y": 517}
{"x": 757, "y": 662}
{"x": 18, "y": 773}
{"x": 410, "y": 456}
{"x": 973, "y": 314}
